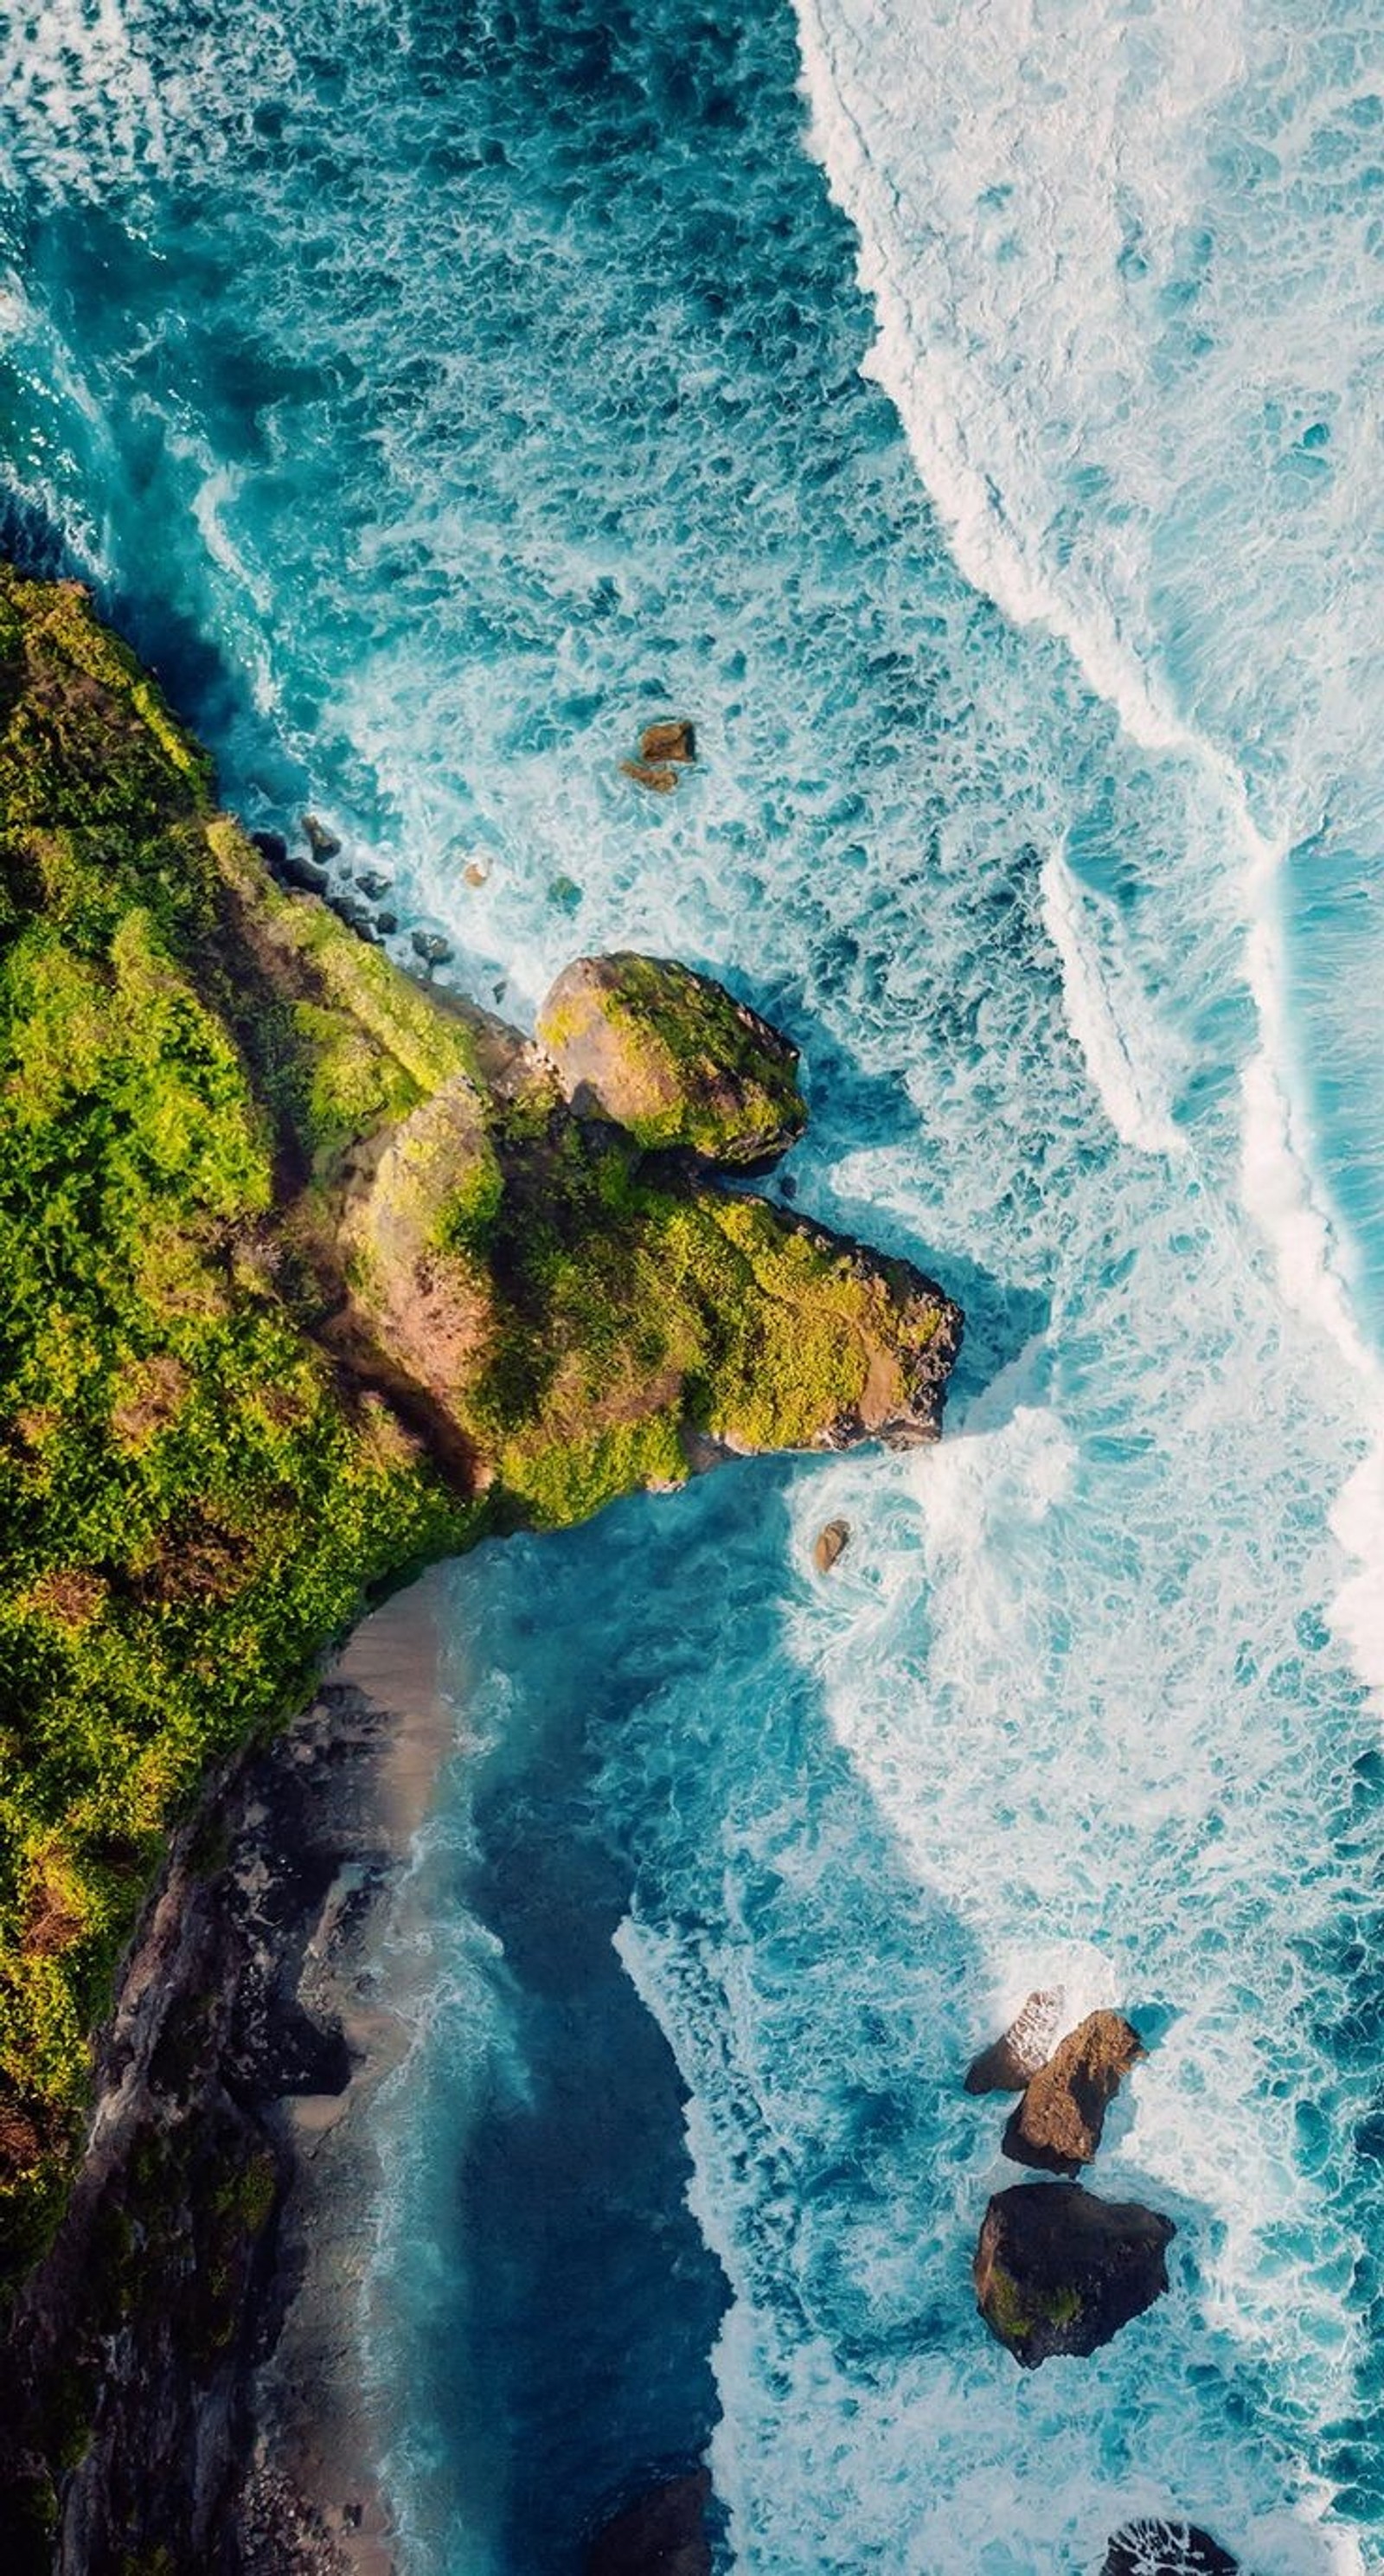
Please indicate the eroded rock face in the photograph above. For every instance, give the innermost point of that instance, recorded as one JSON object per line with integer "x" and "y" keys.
{"x": 1007, "y": 2065}
{"x": 1057, "y": 2126}
{"x": 664, "y": 2534}
{"x": 1059, "y": 2271}
{"x": 1156, "y": 2548}
{"x": 672, "y": 1057}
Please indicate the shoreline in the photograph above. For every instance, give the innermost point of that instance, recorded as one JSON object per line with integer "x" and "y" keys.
{"x": 381, "y": 1730}
{"x": 207, "y": 2278}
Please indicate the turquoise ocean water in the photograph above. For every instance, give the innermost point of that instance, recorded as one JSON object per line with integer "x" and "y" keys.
{"x": 972, "y": 418}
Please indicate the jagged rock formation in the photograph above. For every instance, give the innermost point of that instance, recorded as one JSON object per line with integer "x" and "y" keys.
{"x": 1058, "y": 2271}
{"x": 1058, "y": 2124}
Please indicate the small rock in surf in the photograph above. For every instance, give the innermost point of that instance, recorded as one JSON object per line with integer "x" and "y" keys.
{"x": 1009, "y": 2063}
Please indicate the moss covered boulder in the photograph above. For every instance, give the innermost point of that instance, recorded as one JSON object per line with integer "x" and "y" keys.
{"x": 1059, "y": 2271}
{"x": 673, "y": 1058}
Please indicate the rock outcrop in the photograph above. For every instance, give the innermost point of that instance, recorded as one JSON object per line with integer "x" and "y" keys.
{"x": 1057, "y": 2126}
{"x": 1155, "y": 2548}
{"x": 663, "y": 2534}
{"x": 830, "y": 1545}
{"x": 673, "y": 1058}
{"x": 1058, "y": 2271}
{"x": 312, "y": 1274}
{"x": 1007, "y": 2065}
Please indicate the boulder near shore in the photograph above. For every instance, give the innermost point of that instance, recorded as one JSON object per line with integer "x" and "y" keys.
{"x": 1058, "y": 2271}
{"x": 1057, "y": 2125}
{"x": 672, "y": 1057}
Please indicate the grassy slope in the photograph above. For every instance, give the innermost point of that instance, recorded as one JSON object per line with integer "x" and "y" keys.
{"x": 191, "y": 1501}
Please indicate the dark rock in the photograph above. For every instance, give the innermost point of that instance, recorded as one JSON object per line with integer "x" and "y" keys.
{"x": 432, "y": 947}
{"x": 659, "y": 775}
{"x": 664, "y": 2534}
{"x": 1009, "y": 2063}
{"x": 301, "y": 873}
{"x": 373, "y": 882}
{"x": 1156, "y": 2548}
{"x": 322, "y": 843}
{"x": 1058, "y": 2271}
{"x": 830, "y": 1545}
{"x": 675, "y": 740}
{"x": 273, "y": 849}
{"x": 1057, "y": 2126}
{"x": 387, "y": 924}
{"x": 673, "y": 1057}
{"x": 349, "y": 908}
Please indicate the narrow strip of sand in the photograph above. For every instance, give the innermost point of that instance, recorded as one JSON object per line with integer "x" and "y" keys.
{"x": 370, "y": 1750}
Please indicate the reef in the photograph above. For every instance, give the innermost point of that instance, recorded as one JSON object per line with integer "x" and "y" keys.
{"x": 308, "y": 1275}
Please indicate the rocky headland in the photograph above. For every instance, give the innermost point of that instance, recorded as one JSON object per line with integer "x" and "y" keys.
{"x": 310, "y": 1275}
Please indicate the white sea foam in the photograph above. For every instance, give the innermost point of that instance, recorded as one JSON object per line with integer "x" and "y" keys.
{"x": 1135, "y": 1098}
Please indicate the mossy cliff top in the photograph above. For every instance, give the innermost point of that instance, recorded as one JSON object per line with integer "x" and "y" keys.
{"x": 305, "y": 1275}
{"x": 674, "y": 1058}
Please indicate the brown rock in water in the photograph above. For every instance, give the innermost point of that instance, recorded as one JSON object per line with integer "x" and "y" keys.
{"x": 830, "y": 1545}
{"x": 1153, "y": 2547}
{"x": 322, "y": 843}
{"x": 668, "y": 741}
{"x": 664, "y": 2534}
{"x": 657, "y": 774}
{"x": 1009, "y": 2063}
{"x": 1057, "y": 2126}
{"x": 1059, "y": 2271}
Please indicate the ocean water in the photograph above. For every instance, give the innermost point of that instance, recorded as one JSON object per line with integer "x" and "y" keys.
{"x": 971, "y": 418}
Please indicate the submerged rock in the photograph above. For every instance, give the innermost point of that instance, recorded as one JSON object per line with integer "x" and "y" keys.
{"x": 1007, "y": 2065}
{"x": 1156, "y": 2548}
{"x": 1057, "y": 2126}
{"x": 830, "y": 1545}
{"x": 670, "y": 739}
{"x": 664, "y": 2534}
{"x": 1059, "y": 2271}
{"x": 673, "y": 1057}
{"x": 659, "y": 775}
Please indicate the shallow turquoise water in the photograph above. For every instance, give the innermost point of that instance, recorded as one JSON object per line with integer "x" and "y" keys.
{"x": 436, "y": 395}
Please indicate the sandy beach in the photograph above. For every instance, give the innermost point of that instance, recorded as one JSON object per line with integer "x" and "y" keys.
{"x": 372, "y": 1746}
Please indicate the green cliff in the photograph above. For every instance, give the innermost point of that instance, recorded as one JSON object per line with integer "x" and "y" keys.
{"x": 306, "y": 1274}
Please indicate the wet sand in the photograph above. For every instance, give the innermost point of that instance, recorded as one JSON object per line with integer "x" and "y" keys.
{"x": 373, "y": 1745}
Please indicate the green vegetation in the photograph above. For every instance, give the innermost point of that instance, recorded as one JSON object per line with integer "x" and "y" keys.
{"x": 673, "y": 1058}
{"x": 1014, "y": 2318}
{"x": 191, "y": 1503}
{"x": 306, "y": 1275}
